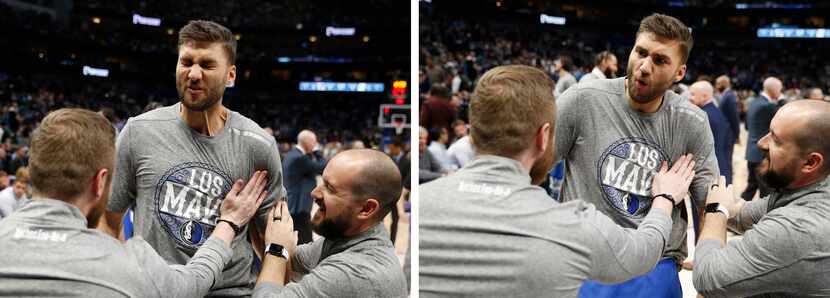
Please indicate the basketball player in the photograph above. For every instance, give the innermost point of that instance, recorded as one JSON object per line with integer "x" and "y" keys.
{"x": 175, "y": 164}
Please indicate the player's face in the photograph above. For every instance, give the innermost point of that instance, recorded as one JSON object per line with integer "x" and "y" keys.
{"x": 202, "y": 73}
{"x": 653, "y": 66}
{"x": 337, "y": 207}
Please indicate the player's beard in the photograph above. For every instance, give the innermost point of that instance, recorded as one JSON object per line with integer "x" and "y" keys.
{"x": 98, "y": 210}
{"x": 653, "y": 91}
{"x": 542, "y": 166}
{"x": 211, "y": 95}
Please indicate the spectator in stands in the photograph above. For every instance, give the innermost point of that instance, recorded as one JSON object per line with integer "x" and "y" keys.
{"x": 758, "y": 117}
{"x": 13, "y": 197}
{"x": 439, "y": 137}
{"x": 729, "y": 106}
{"x": 605, "y": 67}
{"x": 815, "y": 93}
{"x": 428, "y": 168}
{"x": 702, "y": 96}
{"x": 436, "y": 111}
{"x": 19, "y": 159}
{"x": 459, "y": 128}
{"x": 4, "y": 179}
{"x": 564, "y": 65}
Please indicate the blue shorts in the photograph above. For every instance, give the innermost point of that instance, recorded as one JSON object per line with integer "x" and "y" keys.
{"x": 662, "y": 281}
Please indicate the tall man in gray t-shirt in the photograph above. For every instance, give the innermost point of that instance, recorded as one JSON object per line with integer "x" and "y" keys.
{"x": 613, "y": 135}
{"x": 785, "y": 248}
{"x": 175, "y": 164}
{"x": 49, "y": 248}
{"x": 488, "y": 230}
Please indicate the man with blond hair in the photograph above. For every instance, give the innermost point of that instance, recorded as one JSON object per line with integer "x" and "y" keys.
{"x": 50, "y": 248}
{"x": 489, "y": 230}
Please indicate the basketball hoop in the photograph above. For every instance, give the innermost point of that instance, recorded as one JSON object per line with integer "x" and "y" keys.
{"x": 399, "y": 125}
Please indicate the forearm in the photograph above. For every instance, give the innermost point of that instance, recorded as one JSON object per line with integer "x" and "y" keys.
{"x": 274, "y": 270}
{"x": 714, "y": 227}
{"x": 224, "y": 232}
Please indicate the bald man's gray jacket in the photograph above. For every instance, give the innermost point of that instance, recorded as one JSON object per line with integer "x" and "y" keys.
{"x": 360, "y": 266}
{"x": 47, "y": 250}
{"x": 784, "y": 252}
{"x": 486, "y": 231}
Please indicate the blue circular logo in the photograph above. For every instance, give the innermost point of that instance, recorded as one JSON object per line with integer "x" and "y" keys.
{"x": 188, "y": 197}
{"x": 625, "y": 171}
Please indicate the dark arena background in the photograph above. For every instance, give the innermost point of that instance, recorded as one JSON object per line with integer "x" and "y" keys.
{"x": 324, "y": 66}
{"x": 746, "y": 41}
{"x": 338, "y": 68}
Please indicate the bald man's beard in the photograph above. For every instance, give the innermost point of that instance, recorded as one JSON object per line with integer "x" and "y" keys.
{"x": 543, "y": 166}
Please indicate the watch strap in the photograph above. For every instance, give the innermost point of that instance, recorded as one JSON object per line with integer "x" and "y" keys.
{"x": 233, "y": 225}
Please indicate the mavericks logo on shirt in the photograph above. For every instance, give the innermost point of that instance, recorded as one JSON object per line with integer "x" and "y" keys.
{"x": 188, "y": 197}
{"x": 625, "y": 171}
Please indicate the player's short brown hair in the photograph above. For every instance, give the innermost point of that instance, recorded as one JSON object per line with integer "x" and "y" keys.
{"x": 207, "y": 32}
{"x": 670, "y": 28}
{"x": 508, "y": 106}
{"x": 68, "y": 148}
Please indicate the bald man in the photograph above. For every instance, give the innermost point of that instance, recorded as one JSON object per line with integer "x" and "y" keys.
{"x": 701, "y": 95}
{"x": 729, "y": 104}
{"x": 354, "y": 257}
{"x": 785, "y": 248}
{"x": 816, "y": 94}
{"x": 758, "y": 117}
{"x": 301, "y": 166}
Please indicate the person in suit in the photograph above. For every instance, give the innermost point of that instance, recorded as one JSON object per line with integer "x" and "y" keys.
{"x": 301, "y": 166}
{"x": 702, "y": 96}
{"x": 729, "y": 105}
{"x": 758, "y": 117}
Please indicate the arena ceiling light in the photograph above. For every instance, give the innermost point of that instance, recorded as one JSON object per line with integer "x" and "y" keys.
{"x": 96, "y": 72}
{"x": 147, "y": 21}
{"x": 546, "y": 19}
{"x": 341, "y": 86}
{"x": 794, "y": 32}
{"x": 340, "y": 31}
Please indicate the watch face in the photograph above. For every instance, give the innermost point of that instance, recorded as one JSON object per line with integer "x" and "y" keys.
{"x": 713, "y": 207}
{"x": 276, "y": 250}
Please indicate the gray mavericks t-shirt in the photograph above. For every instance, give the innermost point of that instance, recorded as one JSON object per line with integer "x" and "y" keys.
{"x": 176, "y": 179}
{"x": 612, "y": 152}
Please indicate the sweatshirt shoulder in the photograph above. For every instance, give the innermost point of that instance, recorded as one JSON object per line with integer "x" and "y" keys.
{"x": 591, "y": 92}
{"x": 249, "y": 129}
{"x": 685, "y": 110}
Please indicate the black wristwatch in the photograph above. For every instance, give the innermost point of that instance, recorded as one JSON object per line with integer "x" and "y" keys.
{"x": 665, "y": 195}
{"x": 233, "y": 226}
{"x": 716, "y": 207}
{"x": 277, "y": 251}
